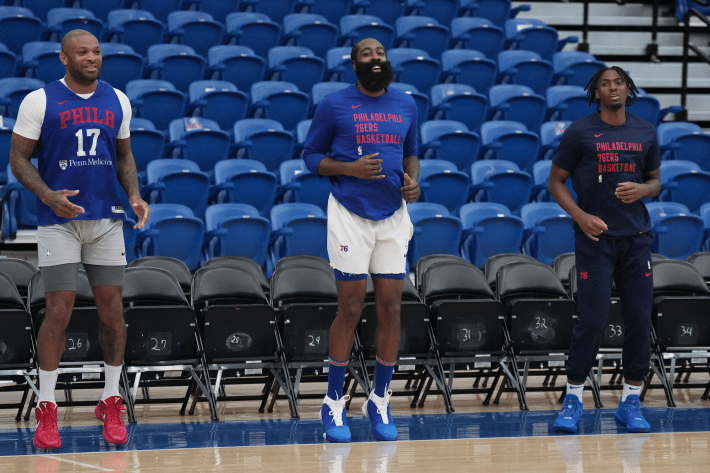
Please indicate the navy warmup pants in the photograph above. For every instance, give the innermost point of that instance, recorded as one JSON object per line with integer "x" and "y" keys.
{"x": 628, "y": 262}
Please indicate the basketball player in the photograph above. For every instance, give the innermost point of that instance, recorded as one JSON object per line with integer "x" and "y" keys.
{"x": 78, "y": 127}
{"x": 613, "y": 158}
{"x": 364, "y": 139}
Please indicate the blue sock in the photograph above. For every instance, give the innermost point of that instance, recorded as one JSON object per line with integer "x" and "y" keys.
{"x": 336, "y": 378}
{"x": 383, "y": 376}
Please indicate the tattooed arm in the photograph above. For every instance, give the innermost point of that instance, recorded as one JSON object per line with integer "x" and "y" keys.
{"x": 21, "y": 150}
{"x": 128, "y": 178}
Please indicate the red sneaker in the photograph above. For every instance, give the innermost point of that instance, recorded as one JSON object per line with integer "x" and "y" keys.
{"x": 46, "y": 433}
{"x": 109, "y": 412}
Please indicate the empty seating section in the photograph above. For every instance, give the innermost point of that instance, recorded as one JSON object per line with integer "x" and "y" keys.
{"x": 223, "y": 93}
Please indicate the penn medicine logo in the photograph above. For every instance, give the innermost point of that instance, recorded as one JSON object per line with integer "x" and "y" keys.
{"x": 63, "y": 164}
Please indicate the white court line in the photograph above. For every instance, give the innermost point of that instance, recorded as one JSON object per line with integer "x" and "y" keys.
{"x": 86, "y": 465}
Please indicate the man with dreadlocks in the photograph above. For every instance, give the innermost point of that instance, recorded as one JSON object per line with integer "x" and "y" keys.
{"x": 614, "y": 160}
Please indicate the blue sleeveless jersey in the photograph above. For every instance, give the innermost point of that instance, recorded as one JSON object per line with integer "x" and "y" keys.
{"x": 348, "y": 125}
{"x": 77, "y": 151}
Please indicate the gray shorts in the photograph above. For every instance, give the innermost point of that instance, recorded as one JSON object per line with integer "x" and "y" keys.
{"x": 95, "y": 242}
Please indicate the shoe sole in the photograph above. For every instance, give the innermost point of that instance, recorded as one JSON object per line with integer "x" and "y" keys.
{"x": 330, "y": 439}
{"x": 566, "y": 430}
{"x": 45, "y": 447}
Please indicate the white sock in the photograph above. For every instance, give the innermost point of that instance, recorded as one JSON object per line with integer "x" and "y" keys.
{"x": 575, "y": 389}
{"x": 629, "y": 389}
{"x": 47, "y": 385}
{"x": 112, "y": 375}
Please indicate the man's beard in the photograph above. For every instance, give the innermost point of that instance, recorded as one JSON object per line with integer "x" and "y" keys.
{"x": 615, "y": 106}
{"x": 374, "y": 81}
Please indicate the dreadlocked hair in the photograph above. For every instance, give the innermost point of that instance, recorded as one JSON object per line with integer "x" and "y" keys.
{"x": 591, "y": 87}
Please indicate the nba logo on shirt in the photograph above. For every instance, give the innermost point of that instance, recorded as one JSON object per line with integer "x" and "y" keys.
{"x": 359, "y": 150}
{"x": 63, "y": 164}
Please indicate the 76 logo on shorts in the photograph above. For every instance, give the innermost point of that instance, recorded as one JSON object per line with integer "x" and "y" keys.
{"x": 344, "y": 248}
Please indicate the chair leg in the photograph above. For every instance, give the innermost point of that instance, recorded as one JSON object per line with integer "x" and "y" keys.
{"x": 18, "y": 417}
{"x": 267, "y": 389}
{"x": 130, "y": 403}
{"x": 186, "y": 399}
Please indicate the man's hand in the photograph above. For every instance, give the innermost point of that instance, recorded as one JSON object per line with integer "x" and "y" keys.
{"x": 140, "y": 207}
{"x": 629, "y": 192}
{"x": 592, "y": 226}
{"x": 60, "y": 205}
{"x": 367, "y": 167}
{"x": 410, "y": 191}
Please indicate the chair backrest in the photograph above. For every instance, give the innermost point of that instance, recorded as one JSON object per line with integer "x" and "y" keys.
{"x": 454, "y": 279}
{"x": 281, "y": 214}
{"x": 494, "y": 263}
{"x": 302, "y": 283}
{"x": 247, "y": 264}
{"x": 673, "y": 277}
{"x": 145, "y": 285}
{"x": 225, "y": 284}
{"x": 701, "y": 261}
{"x": 176, "y": 267}
{"x": 20, "y": 271}
{"x": 525, "y": 279}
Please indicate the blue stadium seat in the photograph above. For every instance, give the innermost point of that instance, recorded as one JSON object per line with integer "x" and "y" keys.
{"x": 161, "y": 9}
{"x": 388, "y": 10}
{"x": 574, "y": 67}
{"x": 39, "y": 8}
{"x": 298, "y": 229}
{"x": 130, "y": 236}
{"x": 18, "y": 26}
{"x": 339, "y": 66}
{"x": 172, "y": 230}
{"x": 684, "y": 182}
{"x": 436, "y": 231}
{"x": 156, "y": 100}
{"x": 219, "y": 9}
{"x": 479, "y": 34}
{"x": 422, "y": 32}
{"x": 541, "y": 174}
{"x": 534, "y": 35}
{"x": 120, "y": 65}
{"x": 237, "y": 230}
{"x": 8, "y": 62}
{"x": 147, "y": 144}
{"x": 6, "y": 126}
{"x": 254, "y": 30}
{"x": 177, "y": 181}
{"x": 298, "y": 184}
{"x": 550, "y": 134}
{"x": 421, "y": 99}
{"x": 200, "y": 140}
{"x": 502, "y": 182}
{"x": 301, "y": 133}
{"x": 19, "y": 206}
{"x": 297, "y": 65}
{"x": 218, "y": 100}
{"x": 354, "y": 28}
{"x": 441, "y": 182}
{"x": 443, "y": 11}
{"x": 649, "y": 108}
{"x": 245, "y": 181}
{"x": 677, "y": 233}
{"x": 684, "y": 141}
{"x": 451, "y": 141}
{"x": 236, "y": 64}
{"x": 263, "y": 140}
{"x": 321, "y": 89}
{"x": 274, "y": 9}
{"x": 176, "y": 63}
{"x": 40, "y": 59}
{"x": 414, "y": 66}
{"x": 62, "y": 20}
{"x": 517, "y": 103}
{"x": 332, "y": 10}
{"x": 567, "y": 103}
{"x": 459, "y": 102}
{"x": 281, "y": 101}
{"x": 137, "y": 28}
{"x": 510, "y": 141}
{"x": 470, "y": 67}
{"x": 196, "y": 29}
{"x": 524, "y": 67}
{"x": 311, "y": 31}
{"x": 101, "y": 8}
{"x": 549, "y": 231}
{"x": 13, "y": 90}
{"x": 705, "y": 215}
{"x": 497, "y": 11}
{"x": 489, "y": 229}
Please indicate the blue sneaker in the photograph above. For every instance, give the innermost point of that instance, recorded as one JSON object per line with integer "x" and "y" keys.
{"x": 629, "y": 414}
{"x": 569, "y": 417}
{"x": 332, "y": 415}
{"x": 377, "y": 409}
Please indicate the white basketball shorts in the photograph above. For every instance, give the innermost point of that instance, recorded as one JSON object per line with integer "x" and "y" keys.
{"x": 358, "y": 245}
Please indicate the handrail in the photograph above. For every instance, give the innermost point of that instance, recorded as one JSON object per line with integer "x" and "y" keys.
{"x": 686, "y": 46}
{"x": 584, "y": 45}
